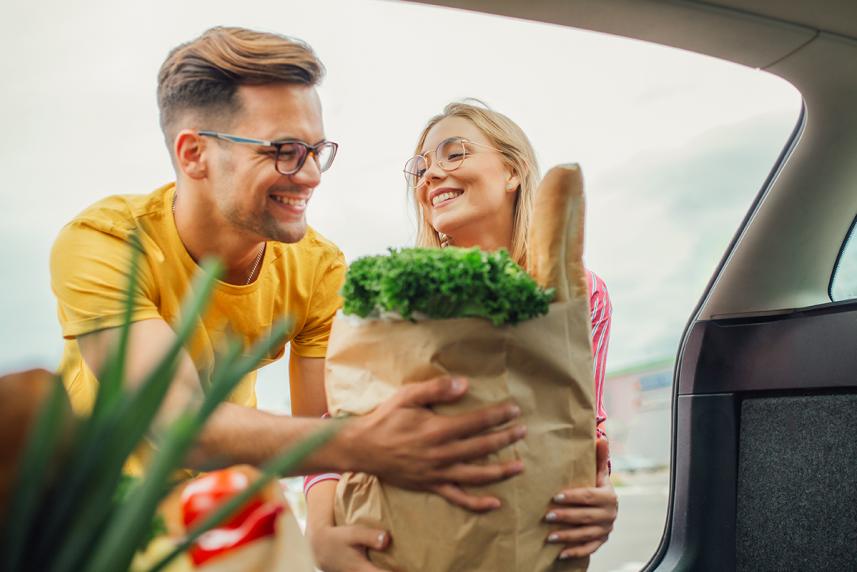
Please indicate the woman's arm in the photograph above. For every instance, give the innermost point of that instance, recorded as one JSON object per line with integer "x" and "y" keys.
{"x": 589, "y": 512}
{"x": 336, "y": 549}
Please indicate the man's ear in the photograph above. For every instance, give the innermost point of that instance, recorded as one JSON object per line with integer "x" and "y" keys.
{"x": 189, "y": 149}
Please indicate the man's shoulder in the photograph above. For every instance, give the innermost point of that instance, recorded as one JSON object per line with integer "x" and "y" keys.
{"x": 120, "y": 215}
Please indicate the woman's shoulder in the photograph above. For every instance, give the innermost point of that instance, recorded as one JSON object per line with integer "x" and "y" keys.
{"x": 599, "y": 297}
{"x": 596, "y": 284}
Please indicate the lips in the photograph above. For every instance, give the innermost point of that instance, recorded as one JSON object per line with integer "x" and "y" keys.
{"x": 289, "y": 205}
{"x": 441, "y": 196}
{"x": 291, "y": 201}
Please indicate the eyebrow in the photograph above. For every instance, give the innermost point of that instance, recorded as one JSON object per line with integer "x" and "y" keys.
{"x": 292, "y": 138}
{"x": 460, "y": 137}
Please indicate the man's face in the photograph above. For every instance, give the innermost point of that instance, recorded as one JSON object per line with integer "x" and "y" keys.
{"x": 246, "y": 187}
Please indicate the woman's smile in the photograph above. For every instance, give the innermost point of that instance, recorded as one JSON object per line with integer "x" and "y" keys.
{"x": 443, "y": 196}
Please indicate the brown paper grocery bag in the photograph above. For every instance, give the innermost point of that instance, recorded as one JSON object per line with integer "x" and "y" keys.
{"x": 544, "y": 365}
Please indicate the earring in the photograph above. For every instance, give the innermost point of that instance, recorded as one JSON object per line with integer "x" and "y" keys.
{"x": 444, "y": 240}
{"x": 510, "y": 187}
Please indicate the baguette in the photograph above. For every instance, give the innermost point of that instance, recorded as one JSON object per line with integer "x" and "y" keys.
{"x": 555, "y": 238}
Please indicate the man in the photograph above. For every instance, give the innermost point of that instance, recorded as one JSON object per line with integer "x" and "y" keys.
{"x": 242, "y": 120}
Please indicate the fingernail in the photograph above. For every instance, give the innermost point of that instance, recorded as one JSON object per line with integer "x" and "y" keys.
{"x": 553, "y": 537}
{"x": 457, "y": 384}
{"x": 550, "y": 517}
{"x": 559, "y": 498}
{"x": 382, "y": 538}
{"x": 565, "y": 557}
{"x": 514, "y": 411}
{"x": 521, "y": 432}
{"x": 495, "y": 504}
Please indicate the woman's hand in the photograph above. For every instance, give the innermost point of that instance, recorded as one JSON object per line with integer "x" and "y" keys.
{"x": 343, "y": 548}
{"x": 339, "y": 548}
{"x": 587, "y": 512}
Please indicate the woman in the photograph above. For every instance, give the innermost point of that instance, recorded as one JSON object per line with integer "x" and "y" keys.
{"x": 474, "y": 178}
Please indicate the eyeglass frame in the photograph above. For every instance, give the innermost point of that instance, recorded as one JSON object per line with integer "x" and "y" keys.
{"x": 462, "y": 140}
{"x": 278, "y": 145}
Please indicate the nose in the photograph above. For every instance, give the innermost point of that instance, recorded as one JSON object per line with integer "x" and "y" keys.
{"x": 309, "y": 175}
{"x": 433, "y": 173}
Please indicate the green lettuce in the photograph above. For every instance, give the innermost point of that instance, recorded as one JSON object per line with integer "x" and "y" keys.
{"x": 444, "y": 283}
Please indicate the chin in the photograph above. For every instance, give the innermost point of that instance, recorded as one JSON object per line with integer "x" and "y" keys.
{"x": 289, "y": 233}
{"x": 448, "y": 224}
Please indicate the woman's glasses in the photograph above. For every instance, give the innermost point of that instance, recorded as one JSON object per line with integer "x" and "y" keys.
{"x": 449, "y": 154}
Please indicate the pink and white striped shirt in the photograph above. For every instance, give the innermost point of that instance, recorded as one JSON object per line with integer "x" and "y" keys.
{"x": 601, "y": 314}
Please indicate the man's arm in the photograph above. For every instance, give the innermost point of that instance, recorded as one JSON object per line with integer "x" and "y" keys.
{"x": 233, "y": 434}
{"x": 402, "y": 441}
{"x": 306, "y": 386}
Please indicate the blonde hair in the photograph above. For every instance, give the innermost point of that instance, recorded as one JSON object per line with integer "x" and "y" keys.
{"x": 518, "y": 155}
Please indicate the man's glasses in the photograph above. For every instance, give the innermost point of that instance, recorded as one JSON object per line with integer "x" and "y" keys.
{"x": 449, "y": 154}
{"x": 289, "y": 154}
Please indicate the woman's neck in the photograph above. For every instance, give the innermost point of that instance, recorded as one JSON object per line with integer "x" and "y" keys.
{"x": 491, "y": 239}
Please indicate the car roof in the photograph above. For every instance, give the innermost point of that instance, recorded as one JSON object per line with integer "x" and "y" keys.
{"x": 785, "y": 253}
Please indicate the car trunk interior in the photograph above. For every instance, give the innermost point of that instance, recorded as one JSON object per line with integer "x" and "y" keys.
{"x": 764, "y": 466}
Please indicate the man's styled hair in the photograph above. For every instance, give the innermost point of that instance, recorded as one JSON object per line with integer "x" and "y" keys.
{"x": 202, "y": 76}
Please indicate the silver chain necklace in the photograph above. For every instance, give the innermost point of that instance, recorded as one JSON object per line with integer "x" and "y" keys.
{"x": 258, "y": 256}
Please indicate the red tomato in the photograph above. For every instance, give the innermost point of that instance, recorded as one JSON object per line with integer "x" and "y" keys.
{"x": 258, "y": 524}
{"x": 204, "y": 494}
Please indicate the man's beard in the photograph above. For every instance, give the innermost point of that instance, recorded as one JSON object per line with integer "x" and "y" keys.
{"x": 267, "y": 227}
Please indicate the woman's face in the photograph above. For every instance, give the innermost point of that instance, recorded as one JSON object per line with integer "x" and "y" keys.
{"x": 476, "y": 200}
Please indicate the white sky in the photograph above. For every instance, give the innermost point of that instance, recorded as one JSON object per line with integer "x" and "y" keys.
{"x": 674, "y": 145}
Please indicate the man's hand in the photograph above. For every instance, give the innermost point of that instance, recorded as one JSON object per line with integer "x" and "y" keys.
{"x": 590, "y": 514}
{"x": 405, "y": 443}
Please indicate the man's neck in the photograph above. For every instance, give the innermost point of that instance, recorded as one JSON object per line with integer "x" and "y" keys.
{"x": 206, "y": 234}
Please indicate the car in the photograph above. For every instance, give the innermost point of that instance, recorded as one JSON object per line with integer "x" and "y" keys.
{"x": 632, "y": 464}
{"x": 764, "y": 433}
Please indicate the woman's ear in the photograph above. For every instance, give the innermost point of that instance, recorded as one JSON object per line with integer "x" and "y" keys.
{"x": 189, "y": 149}
{"x": 512, "y": 183}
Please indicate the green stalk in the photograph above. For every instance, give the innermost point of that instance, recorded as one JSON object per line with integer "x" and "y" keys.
{"x": 111, "y": 380}
{"x": 80, "y": 526}
{"x": 117, "y": 547}
{"x": 283, "y": 464}
{"x": 114, "y": 437}
{"x": 124, "y": 429}
{"x": 35, "y": 461}
{"x": 241, "y": 366}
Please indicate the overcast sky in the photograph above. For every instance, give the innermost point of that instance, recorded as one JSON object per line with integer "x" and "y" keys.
{"x": 673, "y": 145}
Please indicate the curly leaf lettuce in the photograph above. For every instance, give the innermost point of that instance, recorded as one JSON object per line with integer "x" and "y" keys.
{"x": 444, "y": 283}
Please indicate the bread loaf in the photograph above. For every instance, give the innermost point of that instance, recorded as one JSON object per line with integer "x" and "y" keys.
{"x": 555, "y": 239}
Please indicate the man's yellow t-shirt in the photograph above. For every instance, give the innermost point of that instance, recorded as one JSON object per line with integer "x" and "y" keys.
{"x": 90, "y": 261}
